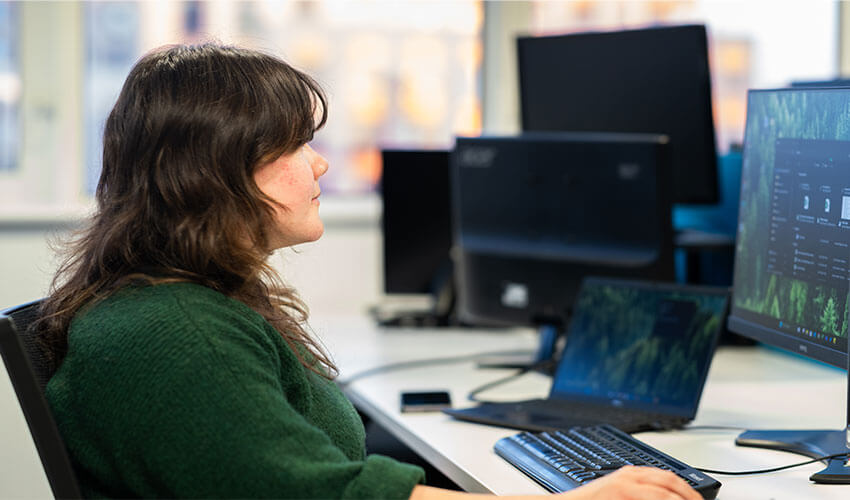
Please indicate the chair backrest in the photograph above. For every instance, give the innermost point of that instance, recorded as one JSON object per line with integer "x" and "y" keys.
{"x": 29, "y": 390}
{"x": 23, "y": 316}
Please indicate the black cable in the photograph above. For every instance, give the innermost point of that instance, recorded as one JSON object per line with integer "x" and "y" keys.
{"x": 416, "y": 363}
{"x": 774, "y": 469}
{"x": 494, "y": 383}
{"x": 502, "y": 380}
{"x": 747, "y": 472}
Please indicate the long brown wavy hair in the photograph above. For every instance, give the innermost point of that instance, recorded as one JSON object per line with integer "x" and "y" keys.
{"x": 177, "y": 201}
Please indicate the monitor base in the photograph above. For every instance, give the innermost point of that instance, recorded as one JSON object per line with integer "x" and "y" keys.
{"x": 811, "y": 443}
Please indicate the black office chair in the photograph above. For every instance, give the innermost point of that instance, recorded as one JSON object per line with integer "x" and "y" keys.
{"x": 29, "y": 370}
{"x": 22, "y": 317}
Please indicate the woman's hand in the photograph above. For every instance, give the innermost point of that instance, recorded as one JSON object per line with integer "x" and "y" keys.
{"x": 626, "y": 483}
{"x": 635, "y": 483}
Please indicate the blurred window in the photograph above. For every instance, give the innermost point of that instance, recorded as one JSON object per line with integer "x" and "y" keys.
{"x": 112, "y": 46}
{"x": 402, "y": 74}
{"x": 10, "y": 87}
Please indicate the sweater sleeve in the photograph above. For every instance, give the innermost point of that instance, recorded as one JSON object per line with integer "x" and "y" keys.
{"x": 195, "y": 406}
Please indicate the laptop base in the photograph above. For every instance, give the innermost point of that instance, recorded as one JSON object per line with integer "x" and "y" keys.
{"x": 547, "y": 415}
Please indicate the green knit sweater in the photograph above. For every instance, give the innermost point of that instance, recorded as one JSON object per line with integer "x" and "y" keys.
{"x": 179, "y": 391}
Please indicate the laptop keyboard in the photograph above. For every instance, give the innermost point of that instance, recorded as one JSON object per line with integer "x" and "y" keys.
{"x": 563, "y": 460}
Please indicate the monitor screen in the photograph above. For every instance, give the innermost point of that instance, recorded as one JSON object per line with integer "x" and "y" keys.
{"x": 416, "y": 220}
{"x": 791, "y": 257}
{"x": 647, "y": 81}
{"x": 535, "y": 214}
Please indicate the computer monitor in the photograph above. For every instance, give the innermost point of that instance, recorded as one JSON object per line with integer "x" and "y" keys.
{"x": 653, "y": 80}
{"x": 792, "y": 255}
{"x": 416, "y": 220}
{"x": 536, "y": 213}
{"x": 416, "y": 226}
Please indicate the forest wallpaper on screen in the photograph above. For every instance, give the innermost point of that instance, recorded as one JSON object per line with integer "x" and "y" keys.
{"x": 816, "y": 115}
{"x": 656, "y": 345}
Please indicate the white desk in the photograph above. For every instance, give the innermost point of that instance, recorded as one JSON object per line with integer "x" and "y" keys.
{"x": 747, "y": 387}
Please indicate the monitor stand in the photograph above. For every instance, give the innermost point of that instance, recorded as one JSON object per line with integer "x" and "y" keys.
{"x": 543, "y": 359}
{"x": 811, "y": 443}
{"x": 440, "y": 313}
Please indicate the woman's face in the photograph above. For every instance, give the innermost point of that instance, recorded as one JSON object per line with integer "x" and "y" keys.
{"x": 293, "y": 181}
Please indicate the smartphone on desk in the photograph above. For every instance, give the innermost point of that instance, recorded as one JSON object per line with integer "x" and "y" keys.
{"x": 424, "y": 401}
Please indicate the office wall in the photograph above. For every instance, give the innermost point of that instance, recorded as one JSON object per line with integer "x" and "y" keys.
{"x": 843, "y": 38}
{"x": 26, "y": 262}
{"x": 339, "y": 274}
{"x": 503, "y": 22}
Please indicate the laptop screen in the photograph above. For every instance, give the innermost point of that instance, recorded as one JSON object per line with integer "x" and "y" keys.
{"x": 638, "y": 344}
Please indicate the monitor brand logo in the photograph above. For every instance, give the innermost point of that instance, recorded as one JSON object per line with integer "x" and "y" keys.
{"x": 515, "y": 295}
{"x": 803, "y": 348}
{"x": 628, "y": 171}
{"x": 477, "y": 157}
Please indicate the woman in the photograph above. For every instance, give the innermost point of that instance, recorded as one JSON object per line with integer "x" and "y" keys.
{"x": 186, "y": 369}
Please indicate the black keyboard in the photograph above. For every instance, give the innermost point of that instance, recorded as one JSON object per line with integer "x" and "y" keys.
{"x": 563, "y": 460}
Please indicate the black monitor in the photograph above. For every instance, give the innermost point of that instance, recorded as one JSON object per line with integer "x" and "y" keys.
{"x": 792, "y": 259}
{"x": 536, "y": 213}
{"x": 416, "y": 220}
{"x": 652, "y": 80}
{"x": 417, "y": 235}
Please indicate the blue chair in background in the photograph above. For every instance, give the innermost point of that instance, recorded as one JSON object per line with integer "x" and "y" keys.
{"x": 706, "y": 234}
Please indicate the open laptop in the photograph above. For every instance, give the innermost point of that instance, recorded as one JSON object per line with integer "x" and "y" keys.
{"x": 636, "y": 357}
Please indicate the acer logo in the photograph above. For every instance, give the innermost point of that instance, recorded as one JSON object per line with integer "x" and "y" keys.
{"x": 477, "y": 157}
